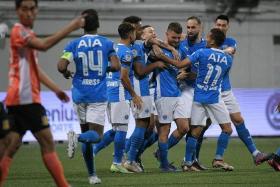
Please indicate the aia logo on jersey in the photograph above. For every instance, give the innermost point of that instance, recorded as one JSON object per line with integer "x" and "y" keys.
{"x": 272, "y": 115}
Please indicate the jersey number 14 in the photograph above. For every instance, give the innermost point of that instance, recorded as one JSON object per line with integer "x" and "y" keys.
{"x": 89, "y": 64}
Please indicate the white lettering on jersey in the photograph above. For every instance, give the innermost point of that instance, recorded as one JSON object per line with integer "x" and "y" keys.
{"x": 89, "y": 43}
{"x": 218, "y": 58}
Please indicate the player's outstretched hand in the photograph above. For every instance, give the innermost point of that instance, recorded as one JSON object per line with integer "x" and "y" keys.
{"x": 182, "y": 75}
{"x": 137, "y": 101}
{"x": 78, "y": 22}
{"x": 62, "y": 96}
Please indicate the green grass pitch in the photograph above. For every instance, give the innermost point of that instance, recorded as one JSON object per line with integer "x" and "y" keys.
{"x": 28, "y": 170}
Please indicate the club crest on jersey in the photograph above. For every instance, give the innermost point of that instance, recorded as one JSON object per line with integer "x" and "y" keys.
{"x": 164, "y": 117}
{"x": 273, "y": 116}
{"x": 147, "y": 111}
{"x": 126, "y": 116}
{"x": 134, "y": 52}
{"x": 127, "y": 57}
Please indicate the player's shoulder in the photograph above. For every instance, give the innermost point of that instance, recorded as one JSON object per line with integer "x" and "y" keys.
{"x": 230, "y": 40}
{"x": 19, "y": 30}
{"x": 138, "y": 45}
{"x": 121, "y": 48}
{"x": 104, "y": 38}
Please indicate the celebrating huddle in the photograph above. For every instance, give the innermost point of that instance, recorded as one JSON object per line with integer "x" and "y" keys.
{"x": 185, "y": 80}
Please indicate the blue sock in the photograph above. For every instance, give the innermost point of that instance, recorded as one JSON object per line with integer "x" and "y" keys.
{"x": 246, "y": 138}
{"x": 119, "y": 145}
{"x": 137, "y": 139}
{"x": 127, "y": 144}
{"x": 163, "y": 153}
{"x": 172, "y": 141}
{"x": 278, "y": 151}
{"x": 88, "y": 158}
{"x": 108, "y": 137}
{"x": 190, "y": 149}
{"x": 222, "y": 145}
{"x": 148, "y": 141}
{"x": 89, "y": 136}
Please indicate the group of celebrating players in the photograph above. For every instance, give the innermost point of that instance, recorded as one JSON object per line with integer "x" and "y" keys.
{"x": 184, "y": 79}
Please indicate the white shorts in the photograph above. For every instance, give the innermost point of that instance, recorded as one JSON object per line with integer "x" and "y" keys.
{"x": 187, "y": 99}
{"x": 118, "y": 112}
{"x": 217, "y": 111}
{"x": 152, "y": 94}
{"x": 169, "y": 108}
{"x": 91, "y": 112}
{"x": 230, "y": 102}
{"x": 146, "y": 109}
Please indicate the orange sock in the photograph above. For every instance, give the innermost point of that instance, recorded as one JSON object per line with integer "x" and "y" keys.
{"x": 55, "y": 168}
{"x": 4, "y": 167}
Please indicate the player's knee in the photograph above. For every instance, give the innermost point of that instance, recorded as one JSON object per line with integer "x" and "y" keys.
{"x": 195, "y": 131}
{"x": 183, "y": 130}
{"x": 227, "y": 129}
{"x": 237, "y": 118}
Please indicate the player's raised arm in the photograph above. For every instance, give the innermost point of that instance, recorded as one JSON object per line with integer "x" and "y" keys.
{"x": 161, "y": 44}
{"x": 179, "y": 64}
{"x": 44, "y": 44}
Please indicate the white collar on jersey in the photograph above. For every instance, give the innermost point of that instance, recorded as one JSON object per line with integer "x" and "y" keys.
{"x": 219, "y": 50}
{"x": 89, "y": 35}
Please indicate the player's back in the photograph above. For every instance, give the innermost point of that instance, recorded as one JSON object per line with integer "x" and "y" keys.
{"x": 90, "y": 54}
{"x": 213, "y": 64}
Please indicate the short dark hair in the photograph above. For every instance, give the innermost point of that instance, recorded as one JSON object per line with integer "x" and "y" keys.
{"x": 18, "y": 3}
{"x": 132, "y": 19}
{"x": 145, "y": 26}
{"x": 218, "y": 36}
{"x": 176, "y": 27}
{"x": 195, "y": 18}
{"x": 91, "y": 20}
{"x": 222, "y": 17}
{"x": 125, "y": 29}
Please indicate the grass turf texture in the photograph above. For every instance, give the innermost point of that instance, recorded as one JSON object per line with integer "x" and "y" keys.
{"x": 28, "y": 170}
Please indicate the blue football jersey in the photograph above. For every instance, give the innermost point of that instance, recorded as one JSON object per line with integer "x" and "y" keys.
{"x": 115, "y": 90}
{"x": 141, "y": 84}
{"x": 229, "y": 42}
{"x": 90, "y": 53}
{"x": 190, "y": 49}
{"x": 166, "y": 79}
{"x": 213, "y": 65}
